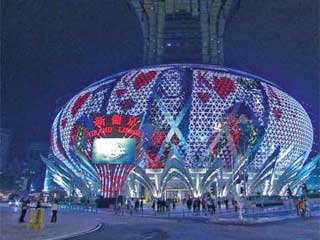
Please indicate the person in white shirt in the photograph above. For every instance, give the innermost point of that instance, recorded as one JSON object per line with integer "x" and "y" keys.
{"x": 54, "y": 210}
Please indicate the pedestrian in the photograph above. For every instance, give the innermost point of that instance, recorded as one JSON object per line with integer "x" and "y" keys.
{"x": 54, "y": 211}
{"x": 302, "y": 208}
{"x": 183, "y": 201}
{"x": 213, "y": 210}
{"x": 141, "y": 205}
{"x": 189, "y": 203}
{"x": 153, "y": 204}
{"x": 226, "y": 202}
{"x": 24, "y": 208}
{"x": 235, "y": 206}
{"x": 136, "y": 205}
{"x": 128, "y": 204}
{"x": 163, "y": 205}
{"x": 194, "y": 205}
{"x": 198, "y": 204}
{"x": 131, "y": 206}
{"x": 204, "y": 204}
{"x": 173, "y": 205}
{"x": 210, "y": 202}
{"x": 219, "y": 203}
{"x": 167, "y": 205}
{"x": 158, "y": 205}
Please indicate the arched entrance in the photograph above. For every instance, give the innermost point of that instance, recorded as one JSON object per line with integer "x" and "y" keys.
{"x": 176, "y": 186}
{"x": 177, "y": 189}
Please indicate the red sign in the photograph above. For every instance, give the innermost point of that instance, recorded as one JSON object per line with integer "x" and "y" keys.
{"x": 119, "y": 124}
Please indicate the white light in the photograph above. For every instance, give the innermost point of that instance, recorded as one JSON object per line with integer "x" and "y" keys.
{"x": 217, "y": 126}
{"x": 110, "y": 148}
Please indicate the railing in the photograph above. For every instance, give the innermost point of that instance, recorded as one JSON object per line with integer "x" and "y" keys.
{"x": 92, "y": 208}
{"x": 254, "y": 212}
{"x": 248, "y": 212}
{"x": 172, "y": 213}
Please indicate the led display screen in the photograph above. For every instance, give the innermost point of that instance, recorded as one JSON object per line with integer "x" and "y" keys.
{"x": 114, "y": 150}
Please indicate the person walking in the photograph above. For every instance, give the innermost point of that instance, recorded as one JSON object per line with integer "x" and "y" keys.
{"x": 210, "y": 202}
{"x": 198, "y": 204}
{"x": 24, "y": 208}
{"x": 153, "y": 204}
{"x": 194, "y": 205}
{"x": 189, "y": 204}
{"x": 167, "y": 203}
{"x": 163, "y": 205}
{"x": 159, "y": 205}
{"x": 54, "y": 211}
{"x": 226, "y": 202}
{"x": 130, "y": 203}
{"x": 219, "y": 203}
{"x": 204, "y": 204}
{"x": 235, "y": 205}
{"x": 141, "y": 205}
{"x": 213, "y": 209}
{"x": 302, "y": 208}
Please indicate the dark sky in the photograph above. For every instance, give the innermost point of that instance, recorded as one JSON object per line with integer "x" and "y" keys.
{"x": 56, "y": 48}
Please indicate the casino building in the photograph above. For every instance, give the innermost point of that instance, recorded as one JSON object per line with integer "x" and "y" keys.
{"x": 179, "y": 129}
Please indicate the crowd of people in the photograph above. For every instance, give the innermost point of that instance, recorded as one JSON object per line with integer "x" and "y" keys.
{"x": 163, "y": 205}
{"x": 208, "y": 204}
{"x": 135, "y": 204}
{"x": 205, "y": 204}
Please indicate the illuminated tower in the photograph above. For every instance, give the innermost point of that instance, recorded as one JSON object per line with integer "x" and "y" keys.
{"x": 177, "y": 31}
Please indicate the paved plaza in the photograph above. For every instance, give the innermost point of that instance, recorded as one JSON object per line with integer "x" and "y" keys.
{"x": 223, "y": 225}
{"x": 191, "y": 230}
{"x": 68, "y": 222}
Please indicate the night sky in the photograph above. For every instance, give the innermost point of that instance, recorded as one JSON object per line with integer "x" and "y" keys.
{"x": 55, "y": 48}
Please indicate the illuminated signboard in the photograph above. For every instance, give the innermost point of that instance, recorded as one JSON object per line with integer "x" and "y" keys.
{"x": 116, "y": 125}
{"x": 114, "y": 150}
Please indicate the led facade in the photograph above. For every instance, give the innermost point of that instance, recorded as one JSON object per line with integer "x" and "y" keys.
{"x": 205, "y": 117}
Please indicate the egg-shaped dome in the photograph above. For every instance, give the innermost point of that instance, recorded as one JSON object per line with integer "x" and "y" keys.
{"x": 202, "y": 114}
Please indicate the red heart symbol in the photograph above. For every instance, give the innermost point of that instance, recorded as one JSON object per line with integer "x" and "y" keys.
{"x": 203, "y": 81}
{"x": 204, "y": 96}
{"x": 79, "y": 102}
{"x": 277, "y": 113}
{"x": 63, "y": 122}
{"x": 120, "y": 92}
{"x": 223, "y": 86}
{"x": 143, "y": 79}
{"x": 126, "y": 104}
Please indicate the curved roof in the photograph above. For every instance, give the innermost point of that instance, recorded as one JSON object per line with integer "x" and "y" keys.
{"x": 198, "y": 66}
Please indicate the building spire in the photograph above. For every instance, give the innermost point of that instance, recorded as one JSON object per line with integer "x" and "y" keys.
{"x": 180, "y": 31}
